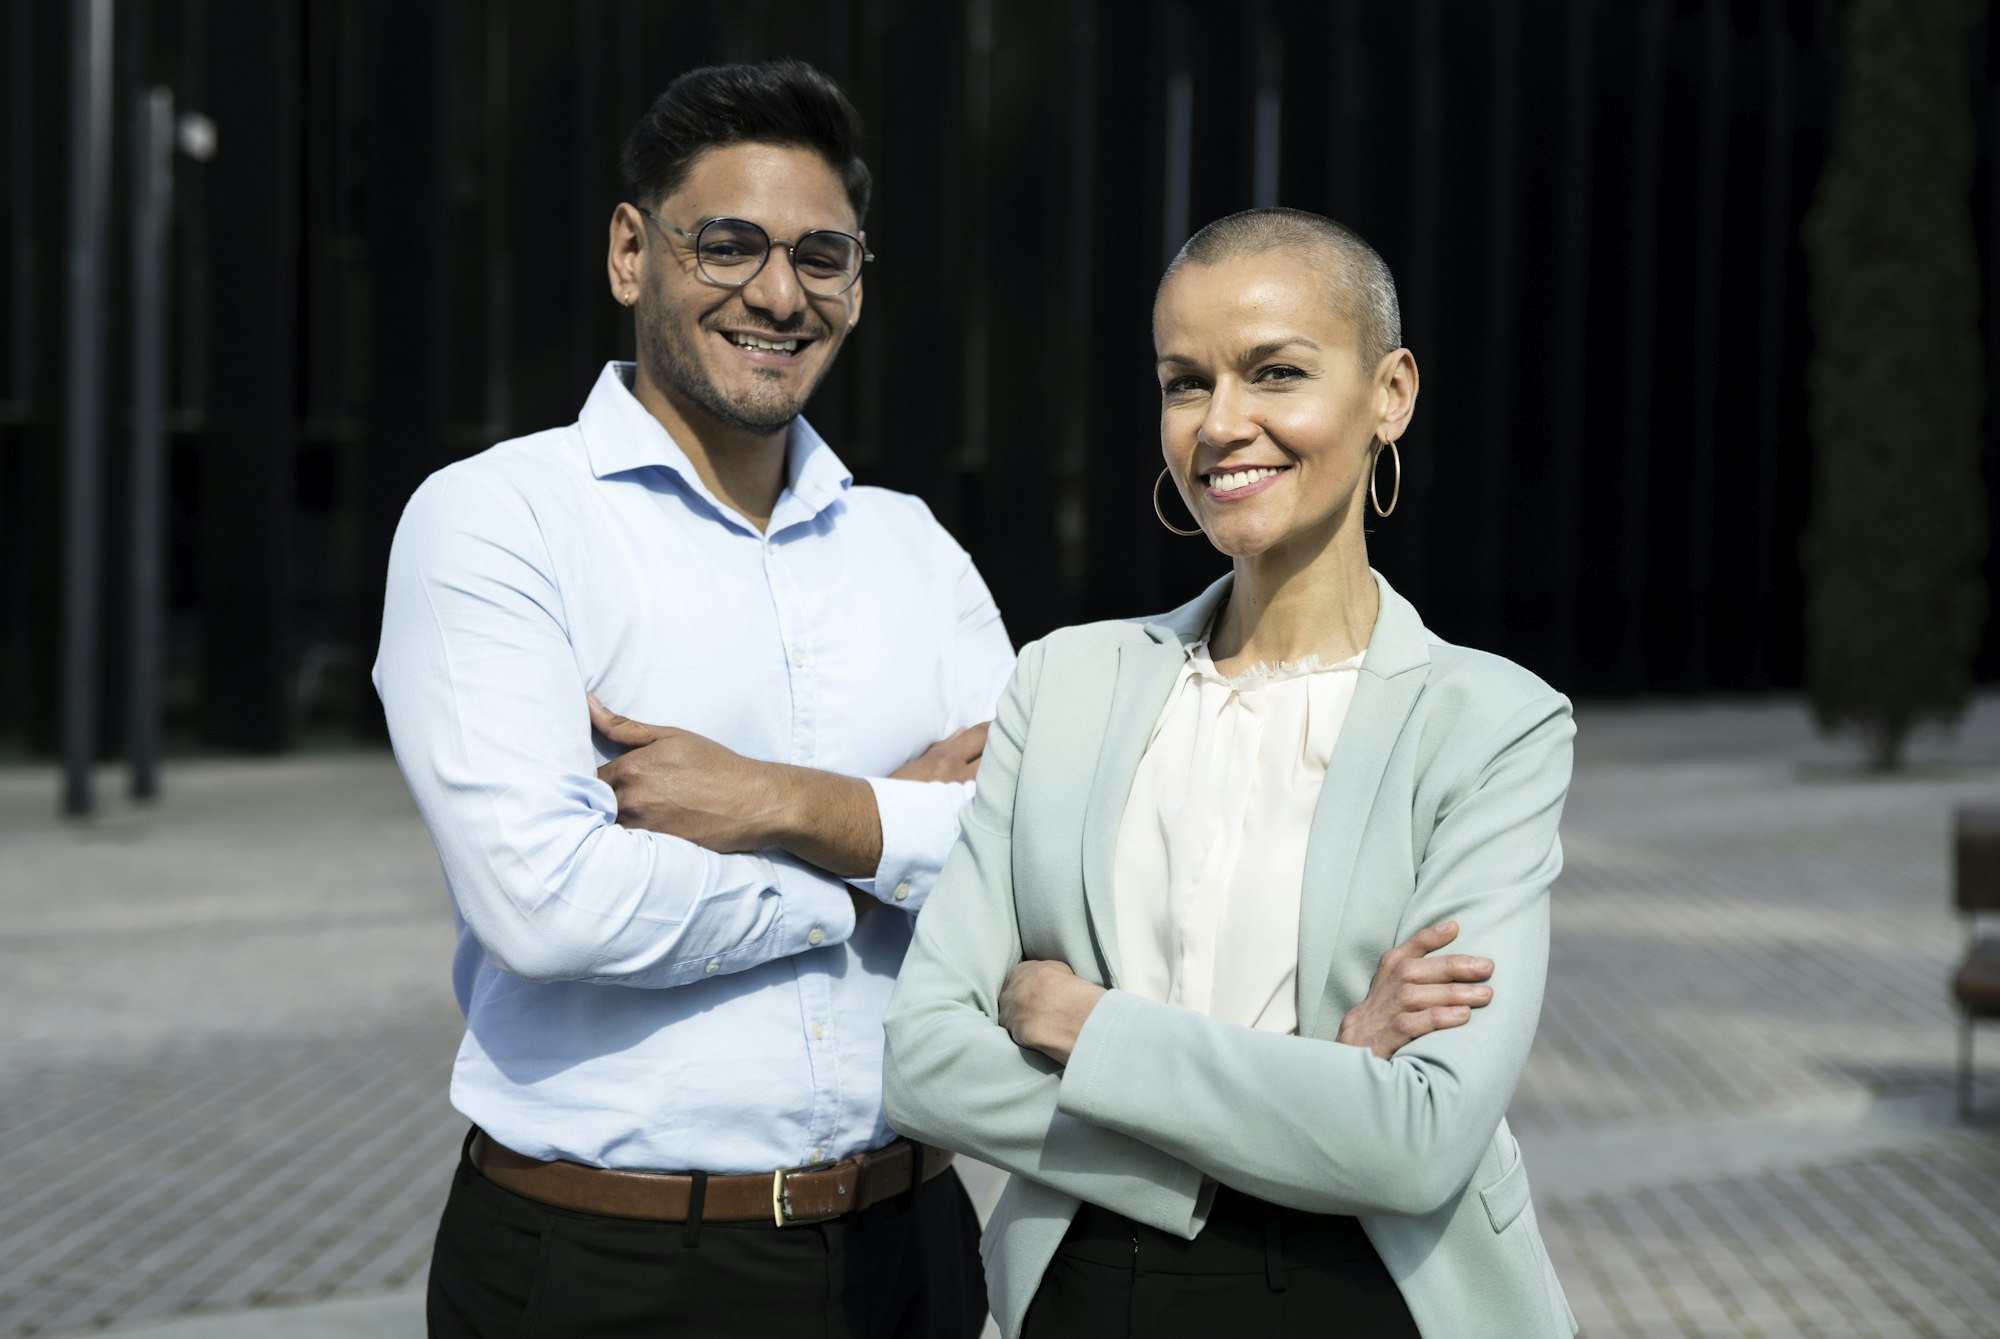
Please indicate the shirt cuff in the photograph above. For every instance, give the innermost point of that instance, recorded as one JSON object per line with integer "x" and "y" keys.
{"x": 818, "y": 910}
{"x": 919, "y": 825}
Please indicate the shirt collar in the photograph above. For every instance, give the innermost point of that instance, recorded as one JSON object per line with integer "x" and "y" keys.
{"x": 815, "y": 476}
{"x": 621, "y": 435}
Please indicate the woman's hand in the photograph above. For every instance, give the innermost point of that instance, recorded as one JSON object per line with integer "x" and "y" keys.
{"x": 1043, "y": 1006}
{"x": 1415, "y": 994}
{"x": 953, "y": 758}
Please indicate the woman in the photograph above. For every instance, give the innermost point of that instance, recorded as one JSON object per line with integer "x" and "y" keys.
{"x": 1193, "y": 839}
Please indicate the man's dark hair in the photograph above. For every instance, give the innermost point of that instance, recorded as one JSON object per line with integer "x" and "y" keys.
{"x": 784, "y": 102}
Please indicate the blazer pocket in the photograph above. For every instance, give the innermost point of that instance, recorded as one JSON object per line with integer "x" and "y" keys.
{"x": 1505, "y": 1198}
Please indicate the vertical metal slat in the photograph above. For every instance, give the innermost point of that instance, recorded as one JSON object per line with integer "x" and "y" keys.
{"x": 152, "y": 209}
{"x": 83, "y": 391}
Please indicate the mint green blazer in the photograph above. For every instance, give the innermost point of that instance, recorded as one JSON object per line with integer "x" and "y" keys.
{"x": 1441, "y": 802}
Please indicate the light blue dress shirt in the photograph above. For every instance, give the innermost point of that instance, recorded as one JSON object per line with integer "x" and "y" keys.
{"x": 632, "y": 1000}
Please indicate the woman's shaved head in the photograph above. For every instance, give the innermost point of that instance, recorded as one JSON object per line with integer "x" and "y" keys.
{"x": 1358, "y": 281}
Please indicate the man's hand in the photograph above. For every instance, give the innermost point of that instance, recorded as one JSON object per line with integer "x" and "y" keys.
{"x": 1043, "y": 1006}
{"x": 1414, "y": 994}
{"x": 689, "y": 786}
{"x": 955, "y": 758}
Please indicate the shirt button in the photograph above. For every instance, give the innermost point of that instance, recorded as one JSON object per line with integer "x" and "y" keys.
{"x": 902, "y": 891}
{"x": 713, "y": 967}
{"x": 798, "y": 660}
{"x": 815, "y": 935}
{"x": 814, "y": 1155}
{"x": 819, "y": 1032}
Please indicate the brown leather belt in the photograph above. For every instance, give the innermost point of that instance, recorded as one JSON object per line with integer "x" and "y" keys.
{"x": 788, "y": 1197}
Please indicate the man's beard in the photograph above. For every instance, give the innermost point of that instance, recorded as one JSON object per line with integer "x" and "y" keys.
{"x": 672, "y": 363}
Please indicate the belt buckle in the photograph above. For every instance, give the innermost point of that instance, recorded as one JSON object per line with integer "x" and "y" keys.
{"x": 781, "y": 1198}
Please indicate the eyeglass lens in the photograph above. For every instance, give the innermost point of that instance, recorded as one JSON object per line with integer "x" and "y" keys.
{"x": 732, "y": 251}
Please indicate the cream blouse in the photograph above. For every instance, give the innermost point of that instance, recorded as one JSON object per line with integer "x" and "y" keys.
{"x": 1212, "y": 845}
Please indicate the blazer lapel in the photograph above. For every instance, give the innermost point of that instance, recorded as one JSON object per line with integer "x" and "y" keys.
{"x": 1146, "y": 674}
{"x": 1392, "y": 676}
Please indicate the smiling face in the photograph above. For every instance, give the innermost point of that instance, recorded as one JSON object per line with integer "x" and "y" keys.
{"x": 1267, "y": 413}
{"x": 747, "y": 357}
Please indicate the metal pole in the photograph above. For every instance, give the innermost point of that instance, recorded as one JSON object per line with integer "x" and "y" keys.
{"x": 1077, "y": 289}
{"x": 21, "y": 187}
{"x": 1269, "y": 113}
{"x": 976, "y": 268}
{"x": 83, "y": 390}
{"x": 152, "y": 208}
{"x": 1180, "y": 146}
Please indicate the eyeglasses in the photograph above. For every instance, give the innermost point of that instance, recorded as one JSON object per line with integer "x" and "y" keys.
{"x": 732, "y": 252}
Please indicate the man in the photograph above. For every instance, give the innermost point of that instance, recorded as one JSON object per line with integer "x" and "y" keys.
{"x": 704, "y": 998}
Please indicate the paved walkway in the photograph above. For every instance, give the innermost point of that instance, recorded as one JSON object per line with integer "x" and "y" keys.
{"x": 1737, "y": 1115}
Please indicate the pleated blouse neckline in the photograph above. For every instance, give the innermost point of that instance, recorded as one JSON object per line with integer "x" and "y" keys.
{"x": 1211, "y": 847}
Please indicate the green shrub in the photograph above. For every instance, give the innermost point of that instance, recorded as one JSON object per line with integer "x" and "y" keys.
{"x": 1895, "y": 599}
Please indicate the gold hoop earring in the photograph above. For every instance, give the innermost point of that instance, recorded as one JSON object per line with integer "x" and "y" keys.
{"x": 1159, "y": 512}
{"x": 1395, "y": 488}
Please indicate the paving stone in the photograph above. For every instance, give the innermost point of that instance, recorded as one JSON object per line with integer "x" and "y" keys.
{"x": 227, "y": 1091}
{"x": 1733, "y": 943}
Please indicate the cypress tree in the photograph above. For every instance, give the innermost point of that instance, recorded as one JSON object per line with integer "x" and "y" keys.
{"x": 1896, "y": 536}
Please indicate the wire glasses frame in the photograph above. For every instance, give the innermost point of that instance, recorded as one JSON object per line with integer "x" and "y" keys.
{"x": 731, "y": 252}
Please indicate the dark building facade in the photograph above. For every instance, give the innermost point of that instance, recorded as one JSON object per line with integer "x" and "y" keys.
{"x": 395, "y": 258}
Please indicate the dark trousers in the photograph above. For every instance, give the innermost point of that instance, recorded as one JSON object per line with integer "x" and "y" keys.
{"x": 1257, "y": 1271}
{"x": 508, "y": 1266}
